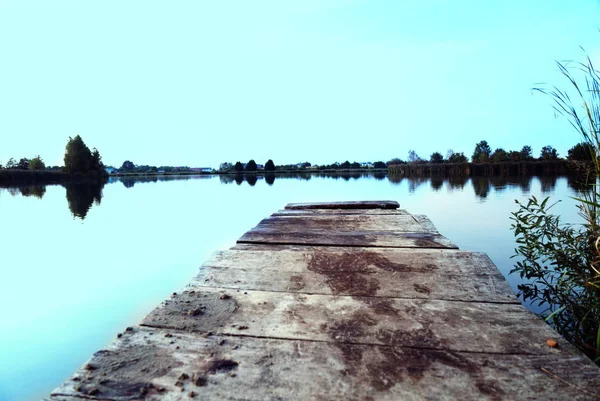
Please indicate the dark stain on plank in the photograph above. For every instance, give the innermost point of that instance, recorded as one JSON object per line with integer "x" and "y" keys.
{"x": 125, "y": 372}
{"x": 397, "y": 364}
{"x": 349, "y": 273}
{"x": 332, "y": 224}
{"x": 193, "y": 310}
{"x": 423, "y": 289}
{"x": 296, "y": 282}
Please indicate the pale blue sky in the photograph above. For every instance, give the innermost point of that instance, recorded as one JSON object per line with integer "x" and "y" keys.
{"x": 197, "y": 83}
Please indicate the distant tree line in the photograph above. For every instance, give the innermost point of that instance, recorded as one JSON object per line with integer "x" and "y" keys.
{"x": 269, "y": 166}
{"x": 483, "y": 154}
{"x": 78, "y": 158}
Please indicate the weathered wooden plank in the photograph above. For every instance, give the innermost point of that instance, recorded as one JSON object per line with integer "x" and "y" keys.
{"x": 378, "y": 284}
{"x": 353, "y": 223}
{"x": 341, "y": 212}
{"x": 350, "y": 239}
{"x": 345, "y": 205}
{"x": 296, "y": 258}
{"x": 432, "y": 324}
{"x": 425, "y": 222}
{"x": 158, "y": 365}
{"x": 396, "y": 273}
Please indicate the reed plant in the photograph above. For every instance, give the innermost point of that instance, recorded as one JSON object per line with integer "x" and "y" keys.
{"x": 561, "y": 261}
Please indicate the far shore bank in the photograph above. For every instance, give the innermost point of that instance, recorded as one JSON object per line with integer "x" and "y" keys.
{"x": 529, "y": 168}
{"x": 26, "y": 177}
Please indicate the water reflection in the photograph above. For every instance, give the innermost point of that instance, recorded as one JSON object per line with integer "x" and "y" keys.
{"x": 129, "y": 181}
{"x": 251, "y": 180}
{"x": 80, "y": 198}
{"x": 548, "y": 183}
{"x": 458, "y": 181}
{"x": 437, "y": 183}
{"x": 481, "y": 186}
{"x": 270, "y": 179}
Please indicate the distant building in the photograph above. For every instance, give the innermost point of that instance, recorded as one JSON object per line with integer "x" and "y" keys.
{"x": 260, "y": 167}
{"x": 366, "y": 164}
{"x": 201, "y": 169}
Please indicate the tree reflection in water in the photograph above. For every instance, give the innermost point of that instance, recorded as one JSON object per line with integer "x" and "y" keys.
{"x": 80, "y": 197}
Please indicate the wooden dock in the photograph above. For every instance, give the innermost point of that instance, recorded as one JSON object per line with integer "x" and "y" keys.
{"x": 341, "y": 301}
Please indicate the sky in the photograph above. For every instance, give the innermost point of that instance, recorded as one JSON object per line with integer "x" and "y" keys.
{"x": 197, "y": 83}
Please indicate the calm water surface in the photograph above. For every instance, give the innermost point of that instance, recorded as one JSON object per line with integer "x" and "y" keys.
{"x": 79, "y": 264}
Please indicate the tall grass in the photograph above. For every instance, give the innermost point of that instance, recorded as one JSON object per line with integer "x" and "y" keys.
{"x": 562, "y": 261}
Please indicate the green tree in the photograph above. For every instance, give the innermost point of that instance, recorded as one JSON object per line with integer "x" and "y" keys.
{"x": 499, "y": 156}
{"x": 582, "y": 152}
{"x": 11, "y": 163}
{"x": 548, "y": 153}
{"x": 482, "y": 152}
{"x": 23, "y": 164}
{"x": 515, "y": 156}
{"x": 239, "y": 167}
{"x": 413, "y": 157}
{"x": 269, "y": 165}
{"x": 395, "y": 160}
{"x": 128, "y": 166}
{"x": 526, "y": 153}
{"x": 96, "y": 161}
{"x": 458, "y": 158}
{"x": 379, "y": 164}
{"x": 436, "y": 157}
{"x": 225, "y": 166}
{"x": 37, "y": 163}
{"x": 251, "y": 166}
{"x": 77, "y": 156}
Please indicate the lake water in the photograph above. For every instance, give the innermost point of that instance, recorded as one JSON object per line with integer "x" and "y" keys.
{"x": 80, "y": 264}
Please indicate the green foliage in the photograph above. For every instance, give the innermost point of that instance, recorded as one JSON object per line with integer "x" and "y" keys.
{"x": 128, "y": 166}
{"x": 269, "y": 165}
{"x": 395, "y": 161}
{"x": 499, "y": 156}
{"x": 515, "y": 156}
{"x": 239, "y": 167}
{"x": 526, "y": 153}
{"x": 379, "y": 164}
{"x": 560, "y": 264}
{"x": 548, "y": 153}
{"x": 482, "y": 152}
{"x": 436, "y": 157}
{"x": 251, "y": 166}
{"x": 413, "y": 157}
{"x": 79, "y": 159}
{"x": 23, "y": 164}
{"x": 581, "y": 152}
{"x": 458, "y": 158}
{"x": 96, "y": 162}
{"x": 37, "y": 163}
{"x": 225, "y": 166}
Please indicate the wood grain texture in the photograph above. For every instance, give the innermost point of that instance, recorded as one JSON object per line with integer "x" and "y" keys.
{"x": 395, "y": 273}
{"x": 171, "y": 366}
{"x": 345, "y": 205}
{"x": 349, "y": 239}
{"x": 418, "y": 323}
{"x": 340, "y": 212}
{"x": 349, "y": 223}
